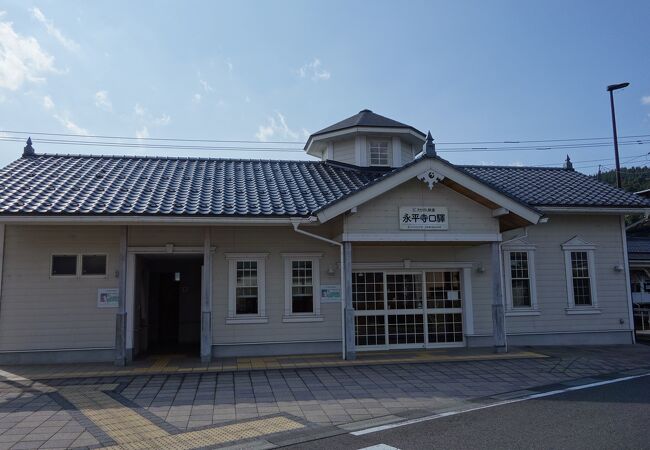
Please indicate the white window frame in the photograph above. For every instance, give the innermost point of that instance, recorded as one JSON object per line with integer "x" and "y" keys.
{"x": 289, "y": 315}
{"x": 512, "y": 310}
{"x": 578, "y": 245}
{"x": 233, "y": 317}
{"x": 377, "y": 143}
{"x": 77, "y": 268}
{"x": 80, "y": 265}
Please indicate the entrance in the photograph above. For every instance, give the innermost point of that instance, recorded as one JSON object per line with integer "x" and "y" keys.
{"x": 408, "y": 309}
{"x": 167, "y": 315}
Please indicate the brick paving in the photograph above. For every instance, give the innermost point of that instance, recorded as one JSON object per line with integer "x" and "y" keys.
{"x": 36, "y": 414}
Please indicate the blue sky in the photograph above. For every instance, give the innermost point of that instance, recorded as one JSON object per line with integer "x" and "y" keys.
{"x": 278, "y": 70}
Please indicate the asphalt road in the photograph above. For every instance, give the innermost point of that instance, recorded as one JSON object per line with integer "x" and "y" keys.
{"x": 614, "y": 416}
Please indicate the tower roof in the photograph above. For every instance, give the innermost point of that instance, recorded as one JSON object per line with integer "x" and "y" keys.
{"x": 366, "y": 118}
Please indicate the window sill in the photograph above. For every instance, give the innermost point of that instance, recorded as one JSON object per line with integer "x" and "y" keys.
{"x": 579, "y": 311}
{"x": 522, "y": 312}
{"x": 306, "y": 318}
{"x": 246, "y": 320}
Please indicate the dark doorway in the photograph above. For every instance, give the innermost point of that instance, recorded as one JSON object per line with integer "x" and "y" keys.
{"x": 168, "y": 304}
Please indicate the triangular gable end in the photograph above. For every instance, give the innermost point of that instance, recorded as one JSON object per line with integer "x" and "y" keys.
{"x": 577, "y": 243}
{"x": 511, "y": 213}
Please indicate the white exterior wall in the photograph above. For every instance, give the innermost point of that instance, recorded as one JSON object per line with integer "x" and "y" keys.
{"x": 408, "y": 154}
{"x": 344, "y": 151}
{"x": 611, "y": 286}
{"x": 274, "y": 241}
{"x": 39, "y": 312}
{"x": 381, "y": 214}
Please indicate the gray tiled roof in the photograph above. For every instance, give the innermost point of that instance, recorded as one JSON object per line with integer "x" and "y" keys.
{"x": 366, "y": 118}
{"x": 638, "y": 248}
{"x": 121, "y": 185}
{"x": 69, "y": 184}
{"x": 541, "y": 186}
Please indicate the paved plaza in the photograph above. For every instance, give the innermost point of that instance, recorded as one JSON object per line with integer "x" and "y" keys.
{"x": 262, "y": 407}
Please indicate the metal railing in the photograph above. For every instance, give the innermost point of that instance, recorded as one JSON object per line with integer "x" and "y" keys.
{"x": 641, "y": 319}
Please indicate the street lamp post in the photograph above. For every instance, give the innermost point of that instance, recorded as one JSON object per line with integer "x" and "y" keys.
{"x": 611, "y": 88}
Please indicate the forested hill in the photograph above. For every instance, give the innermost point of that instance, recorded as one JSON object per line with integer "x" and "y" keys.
{"x": 634, "y": 179}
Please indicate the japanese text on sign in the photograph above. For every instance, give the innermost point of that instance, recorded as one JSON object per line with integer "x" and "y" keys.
{"x": 423, "y": 218}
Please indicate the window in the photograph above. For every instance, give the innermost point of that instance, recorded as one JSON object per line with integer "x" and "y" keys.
{"x": 581, "y": 282}
{"x": 64, "y": 265}
{"x": 409, "y": 308}
{"x": 519, "y": 271}
{"x": 379, "y": 153}
{"x": 93, "y": 265}
{"x": 247, "y": 291}
{"x": 302, "y": 287}
{"x": 246, "y": 286}
{"x": 520, "y": 280}
{"x": 580, "y": 278}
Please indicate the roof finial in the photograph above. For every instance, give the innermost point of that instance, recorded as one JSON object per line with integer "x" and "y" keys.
{"x": 28, "y": 150}
{"x": 568, "y": 165}
{"x": 430, "y": 147}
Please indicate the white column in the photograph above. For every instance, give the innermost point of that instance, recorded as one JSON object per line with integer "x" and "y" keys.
{"x": 350, "y": 352}
{"x": 329, "y": 152}
{"x": 2, "y": 255}
{"x": 360, "y": 151}
{"x": 397, "y": 152}
{"x": 206, "y": 299}
{"x": 498, "y": 311}
{"x": 120, "y": 316}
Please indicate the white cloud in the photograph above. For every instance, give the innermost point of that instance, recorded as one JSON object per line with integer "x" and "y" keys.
{"x": 147, "y": 120}
{"x": 21, "y": 58}
{"x": 276, "y": 127}
{"x": 229, "y": 65}
{"x": 102, "y": 101}
{"x": 53, "y": 31}
{"x": 62, "y": 117}
{"x": 48, "y": 103}
{"x": 645, "y": 100}
{"x": 69, "y": 124}
{"x": 314, "y": 70}
{"x": 196, "y": 98}
{"x": 142, "y": 133}
{"x": 139, "y": 110}
{"x": 247, "y": 99}
{"x": 161, "y": 121}
{"x": 204, "y": 84}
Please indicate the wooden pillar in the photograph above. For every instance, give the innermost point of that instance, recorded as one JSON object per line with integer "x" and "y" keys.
{"x": 498, "y": 311}
{"x": 350, "y": 352}
{"x": 120, "y": 316}
{"x": 206, "y": 299}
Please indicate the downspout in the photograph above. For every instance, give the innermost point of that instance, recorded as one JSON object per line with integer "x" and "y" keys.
{"x": 295, "y": 221}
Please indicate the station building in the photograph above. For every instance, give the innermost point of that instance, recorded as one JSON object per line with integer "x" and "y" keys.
{"x": 378, "y": 243}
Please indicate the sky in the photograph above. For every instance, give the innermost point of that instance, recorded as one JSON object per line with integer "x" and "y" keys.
{"x": 269, "y": 71}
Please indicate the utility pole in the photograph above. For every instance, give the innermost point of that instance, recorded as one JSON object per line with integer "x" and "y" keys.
{"x": 611, "y": 88}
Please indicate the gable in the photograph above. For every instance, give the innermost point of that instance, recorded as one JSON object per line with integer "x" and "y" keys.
{"x": 432, "y": 171}
{"x": 382, "y": 213}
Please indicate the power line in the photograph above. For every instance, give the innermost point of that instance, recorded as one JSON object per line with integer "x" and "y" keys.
{"x": 505, "y": 141}
{"x": 297, "y": 150}
{"x": 98, "y": 136}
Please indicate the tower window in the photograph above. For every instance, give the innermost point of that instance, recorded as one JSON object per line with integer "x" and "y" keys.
{"x": 379, "y": 153}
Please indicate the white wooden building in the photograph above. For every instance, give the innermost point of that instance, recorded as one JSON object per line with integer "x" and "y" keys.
{"x": 377, "y": 244}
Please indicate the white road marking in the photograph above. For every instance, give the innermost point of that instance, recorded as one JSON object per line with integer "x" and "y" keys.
{"x": 379, "y": 447}
{"x": 492, "y": 405}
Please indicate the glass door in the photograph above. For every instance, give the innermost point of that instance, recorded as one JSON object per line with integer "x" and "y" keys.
{"x": 444, "y": 308}
{"x": 405, "y": 312}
